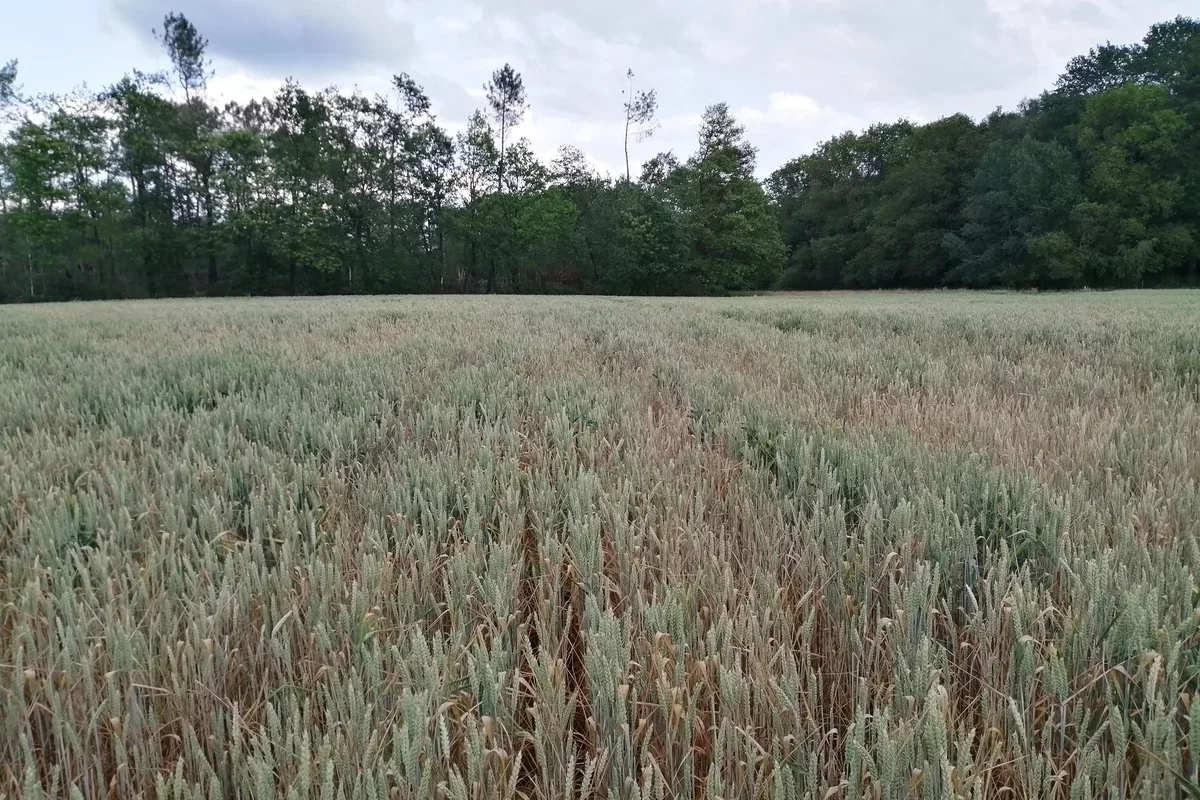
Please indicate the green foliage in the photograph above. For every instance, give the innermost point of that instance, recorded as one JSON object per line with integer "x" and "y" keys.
{"x": 733, "y": 236}
{"x": 1131, "y": 141}
{"x": 526, "y": 234}
{"x": 641, "y": 106}
{"x": 653, "y": 237}
{"x": 185, "y": 48}
{"x": 8, "y": 81}
{"x": 136, "y": 192}
{"x": 1023, "y": 192}
{"x": 873, "y": 209}
{"x": 1092, "y": 184}
{"x": 139, "y": 192}
{"x": 506, "y": 101}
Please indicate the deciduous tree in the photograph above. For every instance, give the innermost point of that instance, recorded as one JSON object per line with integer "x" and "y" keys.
{"x": 640, "y": 109}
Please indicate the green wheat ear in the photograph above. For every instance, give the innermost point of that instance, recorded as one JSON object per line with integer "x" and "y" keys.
{"x": 883, "y": 546}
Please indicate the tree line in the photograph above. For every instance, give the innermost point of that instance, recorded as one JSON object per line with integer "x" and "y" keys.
{"x": 147, "y": 188}
{"x": 1094, "y": 183}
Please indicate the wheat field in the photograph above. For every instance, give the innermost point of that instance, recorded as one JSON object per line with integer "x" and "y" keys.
{"x": 856, "y": 546}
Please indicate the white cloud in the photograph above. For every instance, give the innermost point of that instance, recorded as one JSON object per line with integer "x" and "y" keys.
{"x": 785, "y": 108}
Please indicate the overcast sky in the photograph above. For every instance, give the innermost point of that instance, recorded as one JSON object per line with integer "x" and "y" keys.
{"x": 794, "y": 71}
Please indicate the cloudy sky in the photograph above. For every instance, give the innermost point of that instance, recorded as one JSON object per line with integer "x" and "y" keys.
{"x": 794, "y": 71}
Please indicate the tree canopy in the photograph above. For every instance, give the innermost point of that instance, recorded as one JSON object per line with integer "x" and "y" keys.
{"x": 1094, "y": 183}
{"x": 148, "y": 188}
